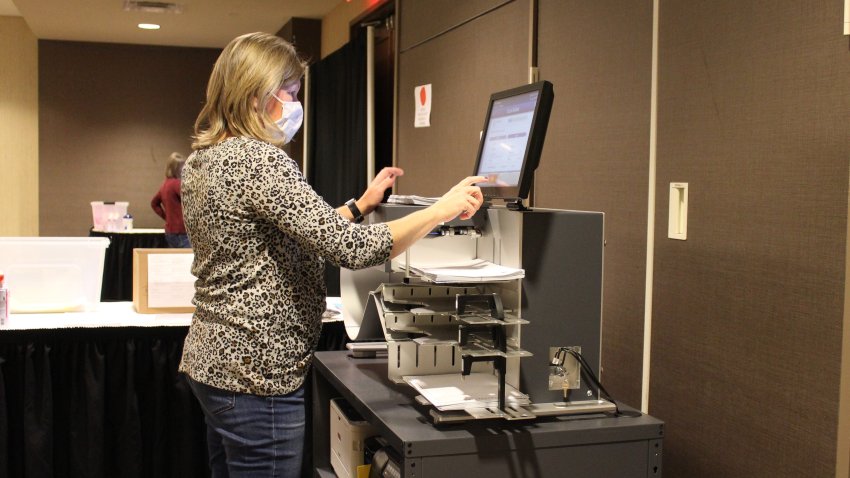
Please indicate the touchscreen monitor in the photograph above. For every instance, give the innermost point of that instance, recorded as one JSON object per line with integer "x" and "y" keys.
{"x": 512, "y": 139}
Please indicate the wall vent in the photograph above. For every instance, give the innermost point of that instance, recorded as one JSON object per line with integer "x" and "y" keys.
{"x": 151, "y": 7}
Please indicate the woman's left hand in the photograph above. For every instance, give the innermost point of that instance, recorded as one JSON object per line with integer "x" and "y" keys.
{"x": 375, "y": 192}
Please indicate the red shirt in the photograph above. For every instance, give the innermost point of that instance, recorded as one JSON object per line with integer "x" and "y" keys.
{"x": 168, "y": 205}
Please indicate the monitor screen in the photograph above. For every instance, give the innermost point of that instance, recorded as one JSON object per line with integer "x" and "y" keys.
{"x": 507, "y": 139}
{"x": 512, "y": 139}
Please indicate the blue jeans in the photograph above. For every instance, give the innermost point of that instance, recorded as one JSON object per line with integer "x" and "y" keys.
{"x": 178, "y": 240}
{"x": 250, "y": 435}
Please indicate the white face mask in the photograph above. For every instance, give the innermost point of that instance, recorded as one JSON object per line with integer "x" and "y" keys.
{"x": 291, "y": 115}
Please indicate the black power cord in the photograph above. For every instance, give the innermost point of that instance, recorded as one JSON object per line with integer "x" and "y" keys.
{"x": 591, "y": 377}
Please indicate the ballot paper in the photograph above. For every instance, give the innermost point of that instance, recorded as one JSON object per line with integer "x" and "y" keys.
{"x": 415, "y": 200}
{"x": 474, "y": 270}
{"x": 170, "y": 280}
{"x": 458, "y": 392}
{"x": 333, "y": 310}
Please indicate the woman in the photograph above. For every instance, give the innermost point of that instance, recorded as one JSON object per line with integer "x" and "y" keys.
{"x": 167, "y": 204}
{"x": 261, "y": 236}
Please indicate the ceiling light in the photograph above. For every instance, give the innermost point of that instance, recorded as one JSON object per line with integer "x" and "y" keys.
{"x": 148, "y": 26}
{"x": 152, "y": 7}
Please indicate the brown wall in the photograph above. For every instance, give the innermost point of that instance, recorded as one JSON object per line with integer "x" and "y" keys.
{"x": 596, "y": 152}
{"x": 598, "y": 56}
{"x": 464, "y": 61}
{"x": 754, "y": 113}
{"x": 109, "y": 117}
{"x": 753, "y": 110}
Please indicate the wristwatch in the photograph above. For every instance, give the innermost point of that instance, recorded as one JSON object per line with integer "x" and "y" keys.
{"x": 355, "y": 211}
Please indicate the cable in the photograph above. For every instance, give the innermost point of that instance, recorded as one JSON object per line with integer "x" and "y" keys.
{"x": 587, "y": 371}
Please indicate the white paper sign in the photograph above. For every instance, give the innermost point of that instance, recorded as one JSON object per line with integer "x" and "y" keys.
{"x": 170, "y": 280}
{"x": 423, "y": 106}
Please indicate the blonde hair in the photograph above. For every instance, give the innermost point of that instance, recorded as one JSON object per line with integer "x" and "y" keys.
{"x": 250, "y": 69}
{"x": 174, "y": 166}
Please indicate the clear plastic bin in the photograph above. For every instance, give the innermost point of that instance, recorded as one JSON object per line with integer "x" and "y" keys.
{"x": 108, "y": 216}
{"x": 53, "y": 274}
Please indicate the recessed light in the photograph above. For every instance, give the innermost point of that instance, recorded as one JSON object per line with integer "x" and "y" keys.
{"x": 151, "y": 7}
{"x": 148, "y": 26}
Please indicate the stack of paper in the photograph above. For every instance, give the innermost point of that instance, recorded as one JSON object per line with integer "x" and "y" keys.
{"x": 457, "y": 392}
{"x": 333, "y": 309}
{"x": 416, "y": 200}
{"x": 475, "y": 270}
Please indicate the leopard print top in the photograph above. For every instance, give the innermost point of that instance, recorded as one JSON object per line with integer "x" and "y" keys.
{"x": 260, "y": 236}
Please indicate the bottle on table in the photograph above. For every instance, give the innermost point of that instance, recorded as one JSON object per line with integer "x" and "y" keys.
{"x": 4, "y": 300}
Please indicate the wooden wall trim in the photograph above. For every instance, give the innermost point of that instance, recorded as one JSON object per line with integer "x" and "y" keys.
{"x": 650, "y": 216}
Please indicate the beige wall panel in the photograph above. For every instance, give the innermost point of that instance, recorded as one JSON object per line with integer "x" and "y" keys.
{"x": 754, "y": 108}
{"x": 424, "y": 19}
{"x": 110, "y": 115}
{"x": 596, "y": 155}
{"x": 18, "y": 128}
{"x": 464, "y": 67}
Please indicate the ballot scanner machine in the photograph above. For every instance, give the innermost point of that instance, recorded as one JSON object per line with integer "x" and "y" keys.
{"x": 497, "y": 316}
{"x": 486, "y": 346}
{"x": 489, "y": 332}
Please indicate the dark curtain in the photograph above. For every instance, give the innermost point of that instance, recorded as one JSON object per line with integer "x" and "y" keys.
{"x": 118, "y": 261}
{"x": 338, "y": 121}
{"x": 106, "y": 403}
{"x": 4, "y": 425}
{"x": 98, "y": 403}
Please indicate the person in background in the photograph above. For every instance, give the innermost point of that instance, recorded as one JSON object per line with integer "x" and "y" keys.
{"x": 261, "y": 236}
{"x": 168, "y": 204}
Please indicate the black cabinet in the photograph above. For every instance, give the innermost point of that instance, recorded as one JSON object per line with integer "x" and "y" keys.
{"x": 597, "y": 445}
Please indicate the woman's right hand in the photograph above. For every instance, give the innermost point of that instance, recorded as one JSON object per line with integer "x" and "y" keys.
{"x": 462, "y": 200}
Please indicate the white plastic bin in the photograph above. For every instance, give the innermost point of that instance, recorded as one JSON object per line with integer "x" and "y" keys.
{"x": 108, "y": 216}
{"x": 53, "y": 274}
{"x": 348, "y": 431}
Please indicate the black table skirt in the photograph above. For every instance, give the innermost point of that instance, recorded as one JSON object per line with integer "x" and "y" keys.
{"x": 98, "y": 403}
{"x": 118, "y": 262}
{"x": 104, "y": 403}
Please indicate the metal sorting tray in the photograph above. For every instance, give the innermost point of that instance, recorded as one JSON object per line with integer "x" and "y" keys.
{"x": 410, "y": 308}
{"x": 423, "y": 294}
{"x": 486, "y": 319}
{"x": 403, "y": 317}
{"x": 475, "y": 349}
{"x": 481, "y": 349}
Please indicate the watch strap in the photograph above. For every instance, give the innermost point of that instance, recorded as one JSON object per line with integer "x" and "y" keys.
{"x": 355, "y": 211}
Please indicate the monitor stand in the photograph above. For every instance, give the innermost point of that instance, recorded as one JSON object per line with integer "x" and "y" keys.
{"x": 514, "y": 204}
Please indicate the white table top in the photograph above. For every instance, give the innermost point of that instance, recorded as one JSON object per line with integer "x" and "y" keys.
{"x": 133, "y": 231}
{"x": 122, "y": 314}
{"x": 108, "y": 314}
